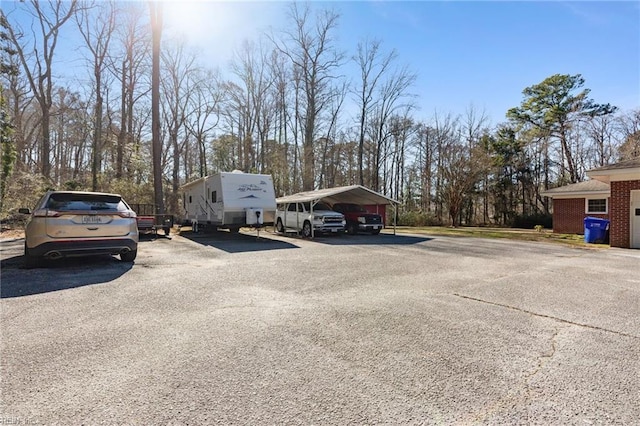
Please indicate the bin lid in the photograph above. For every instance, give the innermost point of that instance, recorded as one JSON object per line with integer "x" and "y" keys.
{"x": 595, "y": 219}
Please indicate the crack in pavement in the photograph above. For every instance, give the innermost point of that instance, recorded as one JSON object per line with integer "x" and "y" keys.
{"x": 564, "y": 321}
{"x": 542, "y": 360}
{"x": 514, "y": 396}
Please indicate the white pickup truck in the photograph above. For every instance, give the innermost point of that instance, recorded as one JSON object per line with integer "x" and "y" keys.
{"x": 308, "y": 219}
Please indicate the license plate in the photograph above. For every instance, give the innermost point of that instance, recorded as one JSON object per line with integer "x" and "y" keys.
{"x": 92, "y": 220}
{"x": 334, "y": 230}
{"x": 376, "y": 227}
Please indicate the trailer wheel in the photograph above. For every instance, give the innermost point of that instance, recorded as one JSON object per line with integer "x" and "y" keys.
{"x": 280, "y": 226}
{"x": 306, "y": 229}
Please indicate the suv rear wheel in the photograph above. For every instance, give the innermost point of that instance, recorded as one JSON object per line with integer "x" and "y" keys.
{"x": 30, "y": 261}
{"x": 129, "y": 256}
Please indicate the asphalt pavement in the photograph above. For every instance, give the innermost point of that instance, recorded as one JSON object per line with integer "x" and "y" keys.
{"x": 249, "y": 330}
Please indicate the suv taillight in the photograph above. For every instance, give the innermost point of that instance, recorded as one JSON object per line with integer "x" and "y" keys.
{"x": 46, "y": 213}
{"x": 128, "y": 213}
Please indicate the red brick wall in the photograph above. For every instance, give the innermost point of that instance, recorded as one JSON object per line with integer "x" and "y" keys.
{"x": 619, "y": 209}
{"x": 569, "y": 214}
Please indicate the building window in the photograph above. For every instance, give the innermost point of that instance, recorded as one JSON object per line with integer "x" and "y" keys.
{"x": 597, "y": 205}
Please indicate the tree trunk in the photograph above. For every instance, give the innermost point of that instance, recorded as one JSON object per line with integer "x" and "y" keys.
{"x": 156, "y": 26}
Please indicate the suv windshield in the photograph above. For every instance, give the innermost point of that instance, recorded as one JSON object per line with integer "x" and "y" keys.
{"x": 70, "y": 202}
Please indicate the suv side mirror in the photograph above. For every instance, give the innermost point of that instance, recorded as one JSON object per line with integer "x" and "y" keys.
{"x": 24, "y": 211}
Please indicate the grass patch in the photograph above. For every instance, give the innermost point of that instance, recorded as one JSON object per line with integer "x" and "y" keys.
{"x": 543, "y": 235}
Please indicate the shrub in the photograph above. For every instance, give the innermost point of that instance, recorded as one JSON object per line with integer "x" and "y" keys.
{"x": 531, "y": 221}
{"x": 418, "y": 218}
{"x": 23, "y": 190}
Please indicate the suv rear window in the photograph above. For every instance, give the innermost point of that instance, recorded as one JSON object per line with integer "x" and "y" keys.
{"x": 70, "y": 202}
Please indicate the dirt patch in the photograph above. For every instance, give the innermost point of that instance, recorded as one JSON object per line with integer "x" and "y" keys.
{"x": 8, "y": 233}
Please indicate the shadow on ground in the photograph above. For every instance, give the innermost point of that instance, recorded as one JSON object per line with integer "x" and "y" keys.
{"x": 367, "y": 239}
{"x": 58, "y": 275}
{"x": 241, "y": 242}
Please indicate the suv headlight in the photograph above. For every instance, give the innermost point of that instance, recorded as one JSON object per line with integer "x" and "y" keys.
{"x": 362, "y": 219}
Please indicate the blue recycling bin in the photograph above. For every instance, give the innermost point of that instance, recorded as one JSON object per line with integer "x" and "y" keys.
{"x": 595, "y": 230}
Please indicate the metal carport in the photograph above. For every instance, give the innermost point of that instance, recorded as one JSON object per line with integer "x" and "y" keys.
{"x": 356, "y": 194}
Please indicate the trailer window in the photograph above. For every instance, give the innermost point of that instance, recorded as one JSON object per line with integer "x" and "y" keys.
{"x": 189, "y": 199}
{"x": 214, "y": 196}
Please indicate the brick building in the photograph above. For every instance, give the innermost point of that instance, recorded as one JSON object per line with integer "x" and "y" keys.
{"x": 572, "y": 203}
{"x": 612, "y": 193}
{"x": 624, "y": 214}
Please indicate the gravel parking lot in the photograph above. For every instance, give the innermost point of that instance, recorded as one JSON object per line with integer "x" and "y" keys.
{"x": 406, "y": 329}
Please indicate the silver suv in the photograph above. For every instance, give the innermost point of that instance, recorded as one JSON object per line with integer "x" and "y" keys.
{"x": 74, "y": 223}
{"x": 308, "y": 219}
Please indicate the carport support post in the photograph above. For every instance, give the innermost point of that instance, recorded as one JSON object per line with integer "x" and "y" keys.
{"x": 395, "y": 217}
{"x": 311, "y": 204}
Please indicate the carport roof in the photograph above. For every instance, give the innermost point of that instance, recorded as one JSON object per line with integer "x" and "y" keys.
{"x": 356, "y": 194}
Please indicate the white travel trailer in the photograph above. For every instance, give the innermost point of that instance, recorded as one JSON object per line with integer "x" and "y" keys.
{"x": 230, "y": 200}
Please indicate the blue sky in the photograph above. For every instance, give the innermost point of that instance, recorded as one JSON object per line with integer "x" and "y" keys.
{"x": 480, "y": 53}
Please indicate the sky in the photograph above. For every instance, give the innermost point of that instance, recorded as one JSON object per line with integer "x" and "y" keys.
{"x": 466, "y": 54}
{"x": 473, "y": 54}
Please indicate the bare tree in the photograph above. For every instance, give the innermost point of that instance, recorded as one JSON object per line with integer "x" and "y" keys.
{"x": 461, "y": 167}
{"x": 252, "y": 102}
{"x": 474, "y": 126}
{"x": 178, "y": 86}
{"x": 329, "y": 140}
{"x": 36, "y": 57}
{"x": 629, "y": 127}
{"x": 403, "y": 131}
{"x": 393, "y": 97}
{"x": 310, "y": 48}
{"x": 373, "y": 64}
{"x": 96, "y": 23}
{"x": 281, "y": 167}
{"x": 204, "y": 115}
{"x": 128, "y": 65}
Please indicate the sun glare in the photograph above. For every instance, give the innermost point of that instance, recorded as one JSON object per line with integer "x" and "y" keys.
{"x": 217, "y": 28}
{"x": 192, "y": 19}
